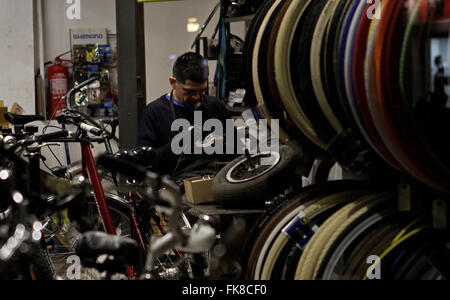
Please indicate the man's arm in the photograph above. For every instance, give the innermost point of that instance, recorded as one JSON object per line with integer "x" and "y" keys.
{"x": 148, "y": 136}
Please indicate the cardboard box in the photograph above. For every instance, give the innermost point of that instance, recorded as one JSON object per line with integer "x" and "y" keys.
{"x": 198, "y": 190}
{"x": 3, "y": 110}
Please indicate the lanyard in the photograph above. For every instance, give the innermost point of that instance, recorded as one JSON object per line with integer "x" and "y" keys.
{"x": 172, "y": 106}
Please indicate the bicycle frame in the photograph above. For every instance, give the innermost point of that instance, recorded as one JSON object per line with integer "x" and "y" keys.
{"x": 89, "y": 169}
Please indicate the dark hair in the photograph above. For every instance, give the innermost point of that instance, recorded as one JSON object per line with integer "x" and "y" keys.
{"x": 191, "y": 66}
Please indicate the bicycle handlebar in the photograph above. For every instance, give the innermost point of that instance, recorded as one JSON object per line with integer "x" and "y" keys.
{"x": 91, "y": 129}
{"x": 77, "y": 88}
{"x": 51, "y": 136}
{"x": 43, "y": 138}
{"x": 68, "y": 116}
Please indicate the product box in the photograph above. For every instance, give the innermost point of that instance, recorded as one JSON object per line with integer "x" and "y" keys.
{"x": 198, "y": 190}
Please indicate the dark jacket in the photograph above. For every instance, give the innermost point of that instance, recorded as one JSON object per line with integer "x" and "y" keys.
{"x": 155, "y": 127}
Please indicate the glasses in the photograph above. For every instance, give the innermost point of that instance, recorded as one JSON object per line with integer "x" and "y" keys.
{"x": 189, "y": 92}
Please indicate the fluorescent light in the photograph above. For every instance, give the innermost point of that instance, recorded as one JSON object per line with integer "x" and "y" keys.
{"x": 193, "y": 27}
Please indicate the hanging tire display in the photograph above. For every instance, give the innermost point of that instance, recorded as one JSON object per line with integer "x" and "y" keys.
{"x": 367, "y": 84}
{"x": 338, "y": 66}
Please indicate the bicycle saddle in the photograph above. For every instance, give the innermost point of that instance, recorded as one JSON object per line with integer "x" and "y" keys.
{"x": 22, "y": 119}
{"x": 93, "y": 244}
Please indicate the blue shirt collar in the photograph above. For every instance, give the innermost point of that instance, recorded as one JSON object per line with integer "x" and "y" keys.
{"x": 182, "y": 105}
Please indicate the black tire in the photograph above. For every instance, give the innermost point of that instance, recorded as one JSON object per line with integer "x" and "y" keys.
{"x": 42, "y": 265}
{"x": 84, "y": 217}
{"x": 36, "y": 265}
{"x": 121, "y": 219}
{"x": 249, "y": 44}
{"x": 255, "y": 192}
{"x": 106, "y": 176}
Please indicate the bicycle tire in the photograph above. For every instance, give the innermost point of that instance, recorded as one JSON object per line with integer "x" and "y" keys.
{"x": 393, "y": 250}
{"x": 328, "y": 271}
{"x": 283, "y": 44}
{"x": 367, "y": 245}
{"x": 253, "y": 240}
{"x": 260, "y": 46}
{"x": 378, "y": 247}
{"x": 315, "y": 251}
{"x": 248, "y": 50}
{"x": 281, "y": 264}
{"x": 310, "y": 212}
{"x": 278, "y": 222}
{"x": 67, "y": 239}
{"x": 375, "y": 248}
{"x": 318, "y": 49}
{"x": 300, "y": 71}
{"x": 40, "y": 266}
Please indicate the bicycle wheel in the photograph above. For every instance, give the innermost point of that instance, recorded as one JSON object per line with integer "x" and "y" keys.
{"x": 329, "y": 232}
{"x": 337, "y": 259}
{"x": 170, "y": 265}
{"x": 106, "y": 177}
{"x": 305, "y": 223}
{"x": 259, "y": 231}
{"x": 37, "y": 266}
{"x": 278, "y": 222}
{"x": 30, "y": 260}
{"x": 84, "y": 217}
{"x": 41, "y": 266}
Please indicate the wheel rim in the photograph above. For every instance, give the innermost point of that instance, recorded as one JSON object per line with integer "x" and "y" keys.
{"x": 242, "y": 171}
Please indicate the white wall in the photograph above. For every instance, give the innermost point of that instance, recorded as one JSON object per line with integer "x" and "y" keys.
{"x": 94, "y": 14}
{"x": 19, "y": 51}
{"x": 166, "y": 34}
{"x": 17, "y": 54}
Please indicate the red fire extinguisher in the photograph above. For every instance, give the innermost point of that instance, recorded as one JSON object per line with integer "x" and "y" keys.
{"x": 58, "y": 83}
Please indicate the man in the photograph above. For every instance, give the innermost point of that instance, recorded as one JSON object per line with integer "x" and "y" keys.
{"x": 189, "y": 83}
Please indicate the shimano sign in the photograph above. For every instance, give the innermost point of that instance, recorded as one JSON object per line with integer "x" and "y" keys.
{"x": 88, "y": 36}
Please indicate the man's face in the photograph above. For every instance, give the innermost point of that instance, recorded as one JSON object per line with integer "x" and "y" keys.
{"x": 190, "y": 93}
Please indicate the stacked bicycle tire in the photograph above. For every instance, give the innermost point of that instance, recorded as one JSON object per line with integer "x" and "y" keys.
{"x": 351, "y": 80}
{"x": 345, "y": 230}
